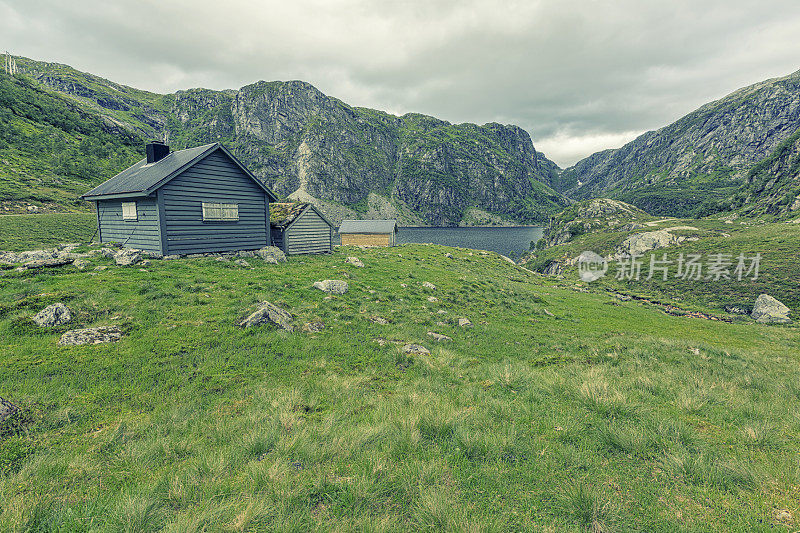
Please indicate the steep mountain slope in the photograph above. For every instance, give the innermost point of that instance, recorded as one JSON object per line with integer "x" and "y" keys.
{"x": 695, "y": 165}
{"x": 350, "y": 161}
{"x": 53, "y": 149}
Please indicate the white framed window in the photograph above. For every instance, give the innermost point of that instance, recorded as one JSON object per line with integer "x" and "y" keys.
{"x": 218, "y": 212}
{"x": 129, "y": 211}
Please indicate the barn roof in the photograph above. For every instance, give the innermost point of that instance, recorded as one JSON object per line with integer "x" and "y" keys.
{"x": 141, "y": 179}
{"x": 368, "y": 226}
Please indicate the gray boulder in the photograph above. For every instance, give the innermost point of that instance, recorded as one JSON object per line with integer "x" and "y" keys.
{"x": 127, "y": 257}
{"x": 464, "y": 322}
{"x": 428, "y": 285}
{"x": 241, "y": 263}
{"x": 99, "y": 335}
{"x": 271, "y": 254}
{"x": 246, "y": 253}
{"x": 268, "y": 313}
{"x": 768, "y": 310}
{"x": 332, "y": 286}
{"x": 11, "y": 258}
{"x": 639, "y": 243}
{"x": 53, "y": 315}
{"x": 438, "y": 337}
{"x": 108, "y": 252}
{"x": 355, "y": 261}
{"x": 81, "y": 264}
{"x": 416, "y": 349}
{"x": 46, "y": 263}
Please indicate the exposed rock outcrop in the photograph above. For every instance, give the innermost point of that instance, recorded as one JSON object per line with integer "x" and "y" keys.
{"x": 332, "y": 286}
{"x": 53, "y": 315}
{"x": 98, "y": 335}
{"x": 268, "y": 313}
{"x": 768, "y": 310}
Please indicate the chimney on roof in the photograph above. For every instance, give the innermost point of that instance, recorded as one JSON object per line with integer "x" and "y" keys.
{"x": 156, "y": 151}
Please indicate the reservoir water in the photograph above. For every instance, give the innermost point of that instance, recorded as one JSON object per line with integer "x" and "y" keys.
{"x": 509, "y": 241}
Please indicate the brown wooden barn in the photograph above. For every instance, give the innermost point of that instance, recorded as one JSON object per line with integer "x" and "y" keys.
{"x": 368, "y": 232}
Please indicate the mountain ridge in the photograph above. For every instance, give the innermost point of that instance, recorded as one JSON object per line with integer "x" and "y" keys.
{"x": 351, "y": 161}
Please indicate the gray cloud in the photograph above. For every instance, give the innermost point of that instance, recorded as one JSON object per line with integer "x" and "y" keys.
{"x": 579, "y": 75}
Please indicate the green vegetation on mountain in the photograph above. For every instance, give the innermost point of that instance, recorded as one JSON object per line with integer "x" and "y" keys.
{"x": 52, "y": 149}
{"x": 707, "y": 161}
{"x": 557, "y": 410}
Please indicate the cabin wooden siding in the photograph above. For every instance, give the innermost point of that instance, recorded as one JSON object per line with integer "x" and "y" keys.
{"x": 367, "y": 239}
{"x": 309, "y": 233}
{"x": 213, "y": 179}
{"x": 143, "y": 233}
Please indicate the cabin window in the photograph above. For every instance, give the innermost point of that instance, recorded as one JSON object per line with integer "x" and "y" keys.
{"x": 216, "y": 212}
{"x": 129, "y": 211}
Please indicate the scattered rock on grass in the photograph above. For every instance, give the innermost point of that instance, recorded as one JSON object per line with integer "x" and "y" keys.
{"x": 268, "y": 313}
{"x": 81, "y": 264}
{"x": 332, "y": 286}
{"x": 438, "y": 337}
{"x": 97, "y": 335}
{"x": 464, "y": 322}
{"x": 433, "y": 299}
{"x": 428, "y": 285}
{"x": 53, "y": 315}
{"x": 101, "y": 267}
{"x": 768, "y": 310}
{"x": 416, "y": 349}
{"x": 548, "y": 313}
{"x": 379, "y": 320}
{"x": 271, "y": 254}
{"x": 355, "y": 261}
{"x": 127, "y": 257}
{"x": 736, "y": 310}
{"x": 313, "y": 327}
{"x": 222, "y": 259}
{"x": 242, "y": 263}
{"x": 47, "y": 263}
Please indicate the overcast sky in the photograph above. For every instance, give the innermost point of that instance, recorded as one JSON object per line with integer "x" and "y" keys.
{"x": 578, "y": 75}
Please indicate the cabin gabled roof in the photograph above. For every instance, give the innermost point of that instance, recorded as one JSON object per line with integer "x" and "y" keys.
{"x": 368, "y": 226}
{"x": 142, "y": 178}
{"x": 282, "y": 215}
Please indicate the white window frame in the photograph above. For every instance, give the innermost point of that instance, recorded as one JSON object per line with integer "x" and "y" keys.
{"x": 220, "y": 212}
{"x": 129, "y": 211}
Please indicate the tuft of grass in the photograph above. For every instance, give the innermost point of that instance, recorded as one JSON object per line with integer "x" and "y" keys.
{"x": 586, "y": 507}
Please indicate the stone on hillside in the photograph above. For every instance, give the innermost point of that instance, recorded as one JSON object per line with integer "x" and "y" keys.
{"x": 246, "y": 253}
{"x": 464, "y": 322}
{"x": 268, "y": 313}
{"x": 768, "y": 310}
{"x": 379, "y": 320}
{"x": 736, "y": 310}
{"x": 355, "y": 261}
{"x": 146, "y": 263}
{"x": 631, "y": 226}
{"x": 428, "y": 285}
{"x": 81, "y": 264}
{"x": 171, "y": 257}
{"x": 7, "y": 409}
{"x": 222, "y": 259}
{"x": 639, "y": 243}
{"x": 53, "y": 315}
{"x": 441, "y": 312}
{"x": 101, "y": 267}
{"x": 433, "y": 299}
{"x": 11, "y": 258}
{"x": 313, "y": 327}
{"x": 548, "y": 313}
{"x": 554, "y": 268}
{"x": 108, "y": 252}
{"x": 332, "y": 286}
{"x": 416, "y": 349}
{"x": 242, "y": 263}
{"x": 271, "y": 254}
{"x": 98, "y": 335}
{"x": 47, "y": 263}
{"x": 448, "y": 255}
{"x": 404, "y": 285}
{"x": 127, "y": 257}
{"x": 438, "y": 337}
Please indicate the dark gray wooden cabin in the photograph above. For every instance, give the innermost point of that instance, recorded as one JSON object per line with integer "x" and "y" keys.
{"x": 184, "y": 202}
{"x": 300, "y": 228}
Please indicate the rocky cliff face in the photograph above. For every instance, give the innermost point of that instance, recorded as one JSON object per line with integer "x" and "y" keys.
{"x": 700, "y": 161}
{"x": 346, "y": 159}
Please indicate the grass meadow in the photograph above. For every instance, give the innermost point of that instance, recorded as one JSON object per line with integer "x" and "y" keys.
{"x": 559, "y": 410}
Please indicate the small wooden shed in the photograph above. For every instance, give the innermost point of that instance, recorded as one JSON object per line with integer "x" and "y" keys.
{"x": 368, "y": 232}
{"x": 184, "y": 202}
{"x": 300, "y": 228}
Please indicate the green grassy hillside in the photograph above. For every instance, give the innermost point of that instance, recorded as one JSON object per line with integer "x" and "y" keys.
{"x": 52, "y": 150}
{"x": 558, "y": 410}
